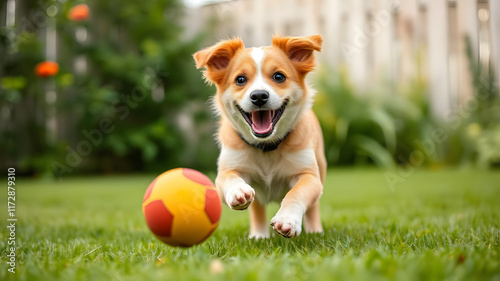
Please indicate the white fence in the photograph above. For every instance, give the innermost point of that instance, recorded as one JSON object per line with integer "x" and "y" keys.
{"x": 376, "y": 41}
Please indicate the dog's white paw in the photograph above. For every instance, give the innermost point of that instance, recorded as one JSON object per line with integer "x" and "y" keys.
{"x": 287, "y": 224}
{"x": 240, "y": 197}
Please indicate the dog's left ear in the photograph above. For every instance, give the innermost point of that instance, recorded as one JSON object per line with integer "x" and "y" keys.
{"x": 216, "y": 58}
{"x": 300, "y": 50}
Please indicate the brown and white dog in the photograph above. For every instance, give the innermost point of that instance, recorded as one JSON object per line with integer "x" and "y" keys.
{"x": 270, "y": 140}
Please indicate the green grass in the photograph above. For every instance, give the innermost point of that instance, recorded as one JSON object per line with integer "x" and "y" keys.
{"x": 434, "y": 226}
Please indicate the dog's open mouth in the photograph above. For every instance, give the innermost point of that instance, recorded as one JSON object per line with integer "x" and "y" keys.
{"x": 262, "y": 122}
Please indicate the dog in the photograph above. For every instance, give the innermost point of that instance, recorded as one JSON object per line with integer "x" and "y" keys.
{"x": 271, "y": 144}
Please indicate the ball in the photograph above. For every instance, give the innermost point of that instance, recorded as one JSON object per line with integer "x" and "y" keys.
{"x": 181, "y": 207}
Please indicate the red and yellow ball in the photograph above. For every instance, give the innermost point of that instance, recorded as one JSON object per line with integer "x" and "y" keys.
{"x": 181, "y": 207}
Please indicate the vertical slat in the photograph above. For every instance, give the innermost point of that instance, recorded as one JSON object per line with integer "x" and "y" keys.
{"x": 259, "y": 19}
{"x": 467, "y": 25}
{"x": 407, "y": 30}
{"x": 437, "y": 32}
{"x": 383, "y": 19}
{"x": 311, "y": 19}
{"x": 358, "y": 40}
{"x": 495, "y": 37}
{"x": 50, "y": 93}
{"x": 10, "y": 12}
{"x": 332, "y": 16}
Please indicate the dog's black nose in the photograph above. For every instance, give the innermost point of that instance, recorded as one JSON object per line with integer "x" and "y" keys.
{"x": 259, "y": 97}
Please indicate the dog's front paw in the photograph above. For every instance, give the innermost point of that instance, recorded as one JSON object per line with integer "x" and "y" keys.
{"x": 287, "y": 225}
{"x": 240, "y": 197}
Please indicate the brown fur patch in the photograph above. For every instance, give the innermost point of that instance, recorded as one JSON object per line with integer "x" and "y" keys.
{"x": 217, "y": 58}
{"x": 300, "y": 50}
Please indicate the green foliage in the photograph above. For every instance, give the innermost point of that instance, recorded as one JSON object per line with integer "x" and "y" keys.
{"x": 92, "y": 228}
{"x": 388, "y": 128}
{"x": 131, "y": 92}
{"x": 362, "y": 128}
{"x": 474, "y": 130}
{"x": 137, "y": 78}
{"x": 21, "y": 121}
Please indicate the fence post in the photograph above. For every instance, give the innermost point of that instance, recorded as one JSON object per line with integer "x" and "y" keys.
{"x": 311, "y": 18}
{"x": 332, "y": 15}
{"x": 259, "y": 21}
{"x": 383, "y": 45}
{"x": 495, "y": 37}
{"x": 408, "y": 30}
{"x": 356, "y": 36}
{"x": 437, "y": 32}
{"x": 467, "y": 25}
{"x": 50, "y": 92}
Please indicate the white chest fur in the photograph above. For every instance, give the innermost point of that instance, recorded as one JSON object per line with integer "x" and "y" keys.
{"x": 271, "y": 173}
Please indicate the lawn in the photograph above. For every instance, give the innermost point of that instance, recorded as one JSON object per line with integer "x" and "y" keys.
{"x": 436, "y": 225}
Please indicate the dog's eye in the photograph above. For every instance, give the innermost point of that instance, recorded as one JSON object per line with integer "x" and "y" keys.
{"x": 241, "y": 80}
{"x": 279, "y": 77}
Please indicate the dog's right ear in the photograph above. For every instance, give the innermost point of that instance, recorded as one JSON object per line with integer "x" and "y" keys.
{"x": 217, "y": 57}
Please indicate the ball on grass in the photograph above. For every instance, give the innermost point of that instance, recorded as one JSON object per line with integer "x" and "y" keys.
{"x": 181, "y": 207}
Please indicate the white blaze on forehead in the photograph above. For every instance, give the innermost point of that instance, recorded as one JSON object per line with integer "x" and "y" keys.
{"x": 258, "y": 57}
{"x": 259, "y": 83}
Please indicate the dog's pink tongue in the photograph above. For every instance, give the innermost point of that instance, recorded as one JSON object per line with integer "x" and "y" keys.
{"x": 261, "y": 121}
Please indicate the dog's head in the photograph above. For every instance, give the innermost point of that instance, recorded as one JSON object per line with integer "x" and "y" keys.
{"x": 261, "y": 90}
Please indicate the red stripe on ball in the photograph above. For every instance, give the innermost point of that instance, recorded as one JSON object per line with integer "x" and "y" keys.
{"x": 158, "y": 218}
{"x": 212, "y": 205}
{"x": 148, "y": 191}
{"x": 197, "y": 177}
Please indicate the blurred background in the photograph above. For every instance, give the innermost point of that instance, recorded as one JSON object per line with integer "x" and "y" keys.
{"x": 110, "y": 86}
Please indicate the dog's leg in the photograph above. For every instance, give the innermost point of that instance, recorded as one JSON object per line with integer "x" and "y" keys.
{"x": 258, "y": 222}
{"x": 288, "y": 220}
{"x": 233, "y": 190}
{"x": 312, "y": 222}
